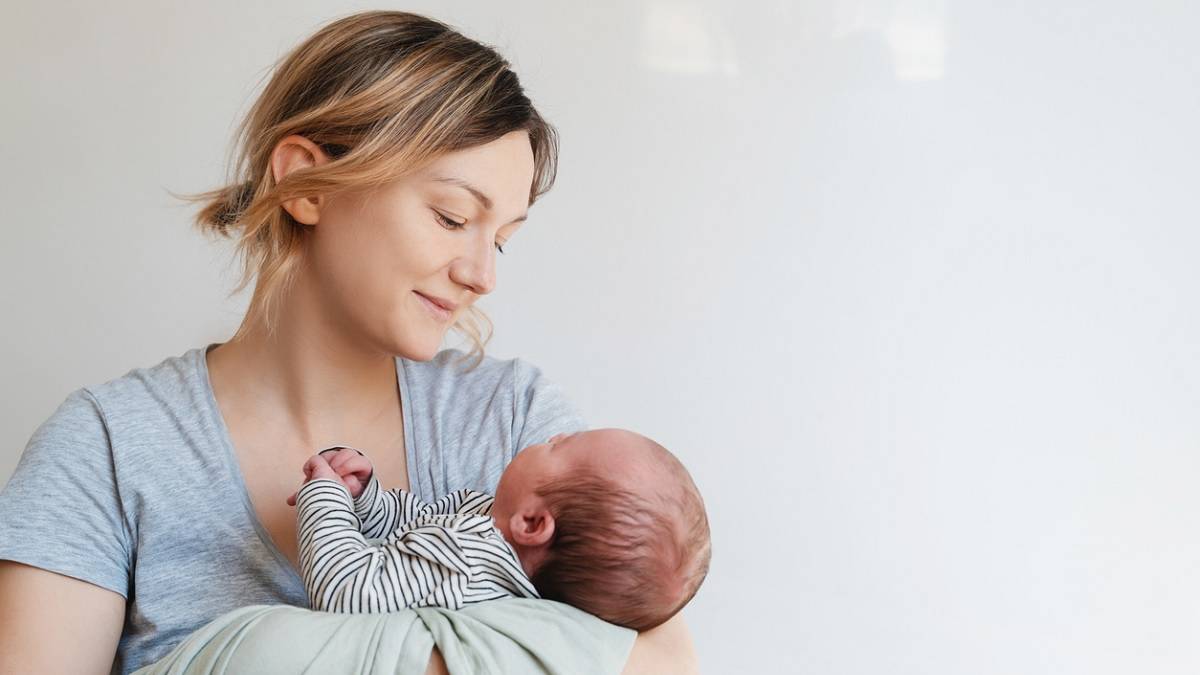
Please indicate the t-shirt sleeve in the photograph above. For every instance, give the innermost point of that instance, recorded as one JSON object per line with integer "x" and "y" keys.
{"x": 61, "y": 510}
{"x": 542, "y": 407}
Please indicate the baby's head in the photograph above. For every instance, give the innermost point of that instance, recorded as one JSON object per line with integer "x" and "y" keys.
{"x": 608, "y": 521}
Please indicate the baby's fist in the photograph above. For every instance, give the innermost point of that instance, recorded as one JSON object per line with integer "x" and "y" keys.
{"x": 318, "y": 467}
{"x": 352, "y": 466}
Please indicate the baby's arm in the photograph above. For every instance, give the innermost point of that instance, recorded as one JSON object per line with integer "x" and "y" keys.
{"x": 467, "y": 502}
{"x": 383, "y": 511}
{"x": 379, "y": 512}
{"x": 422, "y": 564}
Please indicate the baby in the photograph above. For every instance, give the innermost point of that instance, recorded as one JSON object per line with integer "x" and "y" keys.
{"x": 606, "y": 520}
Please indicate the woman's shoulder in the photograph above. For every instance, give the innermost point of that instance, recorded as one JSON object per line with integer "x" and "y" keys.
{"x": 87, "y": 452}
{"x": 142, "y": 397}
{"x": 172, "y": 376}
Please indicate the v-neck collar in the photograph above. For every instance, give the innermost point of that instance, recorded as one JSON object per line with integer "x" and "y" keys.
{"x": 225, "y": 440}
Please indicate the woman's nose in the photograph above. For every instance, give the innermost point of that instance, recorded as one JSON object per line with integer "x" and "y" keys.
{"x": 476, "y": 268}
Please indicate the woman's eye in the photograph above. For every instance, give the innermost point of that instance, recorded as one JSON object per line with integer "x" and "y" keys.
{"x": 455, "y": 225}
{"x": 447, "y": 223}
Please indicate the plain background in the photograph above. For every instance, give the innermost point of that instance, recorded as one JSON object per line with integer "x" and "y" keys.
{"x": 910, "y": 286}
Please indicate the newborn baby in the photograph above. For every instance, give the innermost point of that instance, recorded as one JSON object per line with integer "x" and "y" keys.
{"x": 606, "y": 520}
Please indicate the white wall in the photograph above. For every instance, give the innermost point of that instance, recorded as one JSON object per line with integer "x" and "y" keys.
{"x": 910, "y": 285}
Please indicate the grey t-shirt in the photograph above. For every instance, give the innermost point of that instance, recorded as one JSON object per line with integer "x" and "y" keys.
{"x": 133, "y": 485}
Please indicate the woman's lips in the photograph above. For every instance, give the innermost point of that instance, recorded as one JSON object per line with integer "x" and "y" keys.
{"x": 438, "y": 311}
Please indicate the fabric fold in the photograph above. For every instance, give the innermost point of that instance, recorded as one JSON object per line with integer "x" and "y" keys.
{"x": 515, "y": 635}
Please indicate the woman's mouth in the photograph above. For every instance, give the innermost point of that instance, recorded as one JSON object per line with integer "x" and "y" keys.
{"x": 439, "y": 312}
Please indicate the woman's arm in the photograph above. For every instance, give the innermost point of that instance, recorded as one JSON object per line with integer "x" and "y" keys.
{"x": 85, "y": 617}
{"x": 665, "y": 649}
{"x": 56, "y": 624}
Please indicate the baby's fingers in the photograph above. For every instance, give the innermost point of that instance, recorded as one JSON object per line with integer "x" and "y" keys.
{"x": 317, "y": 467}
{"x": 353, "y": 485}
{"x": 358, "y": 466}
{"x": 336, "y": 459}
{"x": 312, "y": 463}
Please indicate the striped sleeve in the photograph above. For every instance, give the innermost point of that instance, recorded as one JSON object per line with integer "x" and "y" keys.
{"x": 382, "y": 511}
{"x": 467, "y": 502}
{"x": 434, "y": 560}
{"x": 492, "y": 568}
{"x": 496, "y": 570}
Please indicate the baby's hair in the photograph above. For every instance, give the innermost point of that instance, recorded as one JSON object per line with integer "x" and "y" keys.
{"x": 628, "y": 559}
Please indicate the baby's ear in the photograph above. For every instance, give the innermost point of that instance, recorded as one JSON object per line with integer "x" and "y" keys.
{"x": 532, "y": 526}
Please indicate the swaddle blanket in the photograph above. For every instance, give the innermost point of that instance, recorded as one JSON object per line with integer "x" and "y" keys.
{"x": 513, "y": 635}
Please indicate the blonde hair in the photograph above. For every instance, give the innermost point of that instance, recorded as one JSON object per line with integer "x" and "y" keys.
{"x": 382, "y": 93}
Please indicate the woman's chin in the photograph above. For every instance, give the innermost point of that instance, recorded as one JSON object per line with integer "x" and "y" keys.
{"x": 417, "y": 350}
{"x": 424, "y": 355}
{"x": 412, "y": 338}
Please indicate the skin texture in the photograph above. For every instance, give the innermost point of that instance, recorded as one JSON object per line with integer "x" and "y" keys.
{"x": 42, "y": 611}
{"x": 327, "y": 377}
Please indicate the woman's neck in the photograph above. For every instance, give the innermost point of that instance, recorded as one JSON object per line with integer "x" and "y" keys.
{"x": 310, "y": 376}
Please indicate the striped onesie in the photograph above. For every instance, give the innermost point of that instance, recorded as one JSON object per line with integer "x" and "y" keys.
{"x": 446, "y": 554}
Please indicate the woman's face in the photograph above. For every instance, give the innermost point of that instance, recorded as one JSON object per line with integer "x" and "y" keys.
{"x": 399, "y": 264}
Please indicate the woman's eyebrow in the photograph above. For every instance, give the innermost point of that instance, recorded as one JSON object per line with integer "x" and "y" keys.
{"x": 475, "y": 192}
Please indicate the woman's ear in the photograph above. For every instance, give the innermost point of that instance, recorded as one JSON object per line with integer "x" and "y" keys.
{"x": 291, "y": 154}
{"x": 532, "y": 527}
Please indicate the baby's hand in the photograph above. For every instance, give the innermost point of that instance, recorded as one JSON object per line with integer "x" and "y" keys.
{"x": 315, "y": 467}
{"x": 346, "y": 466}
{"x": 352, "y": 466}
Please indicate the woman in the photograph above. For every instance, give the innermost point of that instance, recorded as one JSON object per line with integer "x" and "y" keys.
{"x": 382, "y": 169}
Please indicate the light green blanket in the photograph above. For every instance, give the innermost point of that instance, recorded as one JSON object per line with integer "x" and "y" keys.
{"x": 515, "y": 635}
